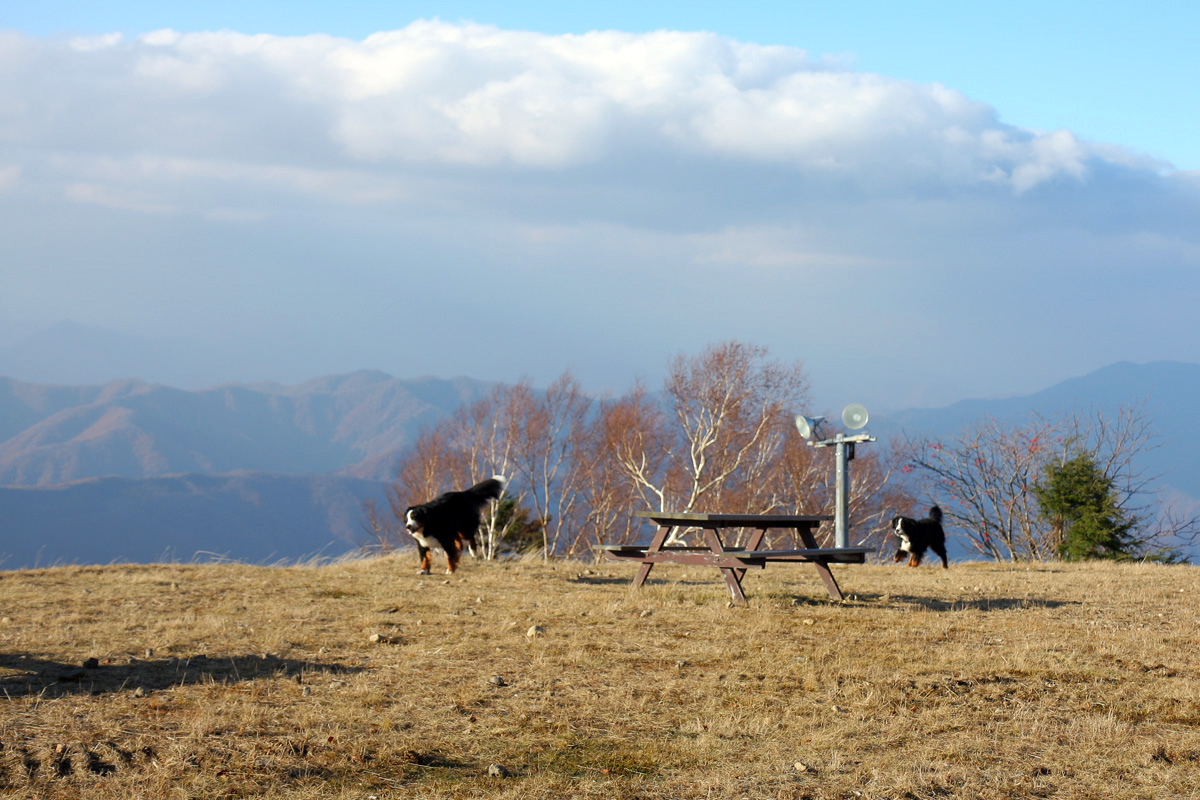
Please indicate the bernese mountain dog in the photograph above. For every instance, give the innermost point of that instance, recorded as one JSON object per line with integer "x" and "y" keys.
{"x": 918, "y": 535}
{"x": 451, "y": 520}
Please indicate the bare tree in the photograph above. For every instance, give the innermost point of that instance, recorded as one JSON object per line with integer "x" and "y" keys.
{"x": 1121, "y": 445}
{"x": 733, "y": 409}
{"x": 622, "y": 459}
{"x": 482, "y": 435}
{"x": 547, "y": 433}
{"x": 379, "y": 527}
{"x": 716, "y": 446}
{"x": 984, "y": 483}
{"x": 985, "y": 480}
{"x": 635, "y": 432}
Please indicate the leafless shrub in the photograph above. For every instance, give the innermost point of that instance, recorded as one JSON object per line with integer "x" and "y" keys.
{"x": 984, "y": 479}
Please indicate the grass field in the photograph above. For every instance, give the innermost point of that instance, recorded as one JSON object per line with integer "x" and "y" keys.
{"x": 987, "y": 681}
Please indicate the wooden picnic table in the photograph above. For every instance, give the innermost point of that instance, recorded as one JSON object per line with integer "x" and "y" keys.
{"x": 733, "y": 562}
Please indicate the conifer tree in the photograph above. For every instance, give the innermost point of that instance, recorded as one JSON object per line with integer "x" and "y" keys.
{"x": 1082, "y": 507}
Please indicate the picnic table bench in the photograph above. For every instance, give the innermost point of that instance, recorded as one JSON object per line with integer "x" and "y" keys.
{"x": 734, "y": 561}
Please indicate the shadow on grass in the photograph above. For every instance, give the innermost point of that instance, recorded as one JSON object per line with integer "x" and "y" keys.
{"x": 599, "y": 580}
{"x": 434, "y": 760}
{"x": 27, "y": 675}
{"x": 907, "y": 602}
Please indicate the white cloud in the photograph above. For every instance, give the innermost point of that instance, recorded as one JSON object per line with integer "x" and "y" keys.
{"x": 90, "y": 43}
{"x": 436, "y": 96}
{"x": 107, "y": 196}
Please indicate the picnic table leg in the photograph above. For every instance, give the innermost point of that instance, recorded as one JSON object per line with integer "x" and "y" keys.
{"x": 656, "y": 544}
{"x": 753, "y": 544}
{"x": 822, "y": 565}
{"x": 733, "y": 579}
{"x": 734, "y": 582}
{"x": 827, "y": 578}
{"x": 733, "y": 575}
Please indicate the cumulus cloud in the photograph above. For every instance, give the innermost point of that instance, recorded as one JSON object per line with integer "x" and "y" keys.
{"x": 435, "y": 96}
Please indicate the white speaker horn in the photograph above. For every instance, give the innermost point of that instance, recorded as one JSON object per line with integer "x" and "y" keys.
{"x": 855, "y": 416}
{"x": 808, "y": 425}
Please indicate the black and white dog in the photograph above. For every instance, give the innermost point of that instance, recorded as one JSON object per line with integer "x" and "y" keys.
{"x": 451, "y": 520}
{"x": 918, "y": 535}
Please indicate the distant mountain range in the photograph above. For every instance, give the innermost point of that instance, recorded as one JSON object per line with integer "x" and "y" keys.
{"x": 128, "y": 470}
{"x": 1164, "y": 391}
{"x": 349, "y": 424}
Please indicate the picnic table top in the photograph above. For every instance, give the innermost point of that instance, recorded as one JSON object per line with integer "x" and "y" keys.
{"x": 740, "y": 552}
{"x": 736, "y": 520}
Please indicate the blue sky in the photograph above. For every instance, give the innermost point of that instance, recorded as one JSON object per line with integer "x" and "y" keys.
{"x": 922, "y": 202}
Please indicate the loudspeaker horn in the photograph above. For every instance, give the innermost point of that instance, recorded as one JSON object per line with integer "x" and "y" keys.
{"x": 855, "y": 416}
{"x": 808, "y": 425}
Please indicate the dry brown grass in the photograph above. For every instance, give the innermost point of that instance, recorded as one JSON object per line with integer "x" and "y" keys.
{"x": 237, "y": 681}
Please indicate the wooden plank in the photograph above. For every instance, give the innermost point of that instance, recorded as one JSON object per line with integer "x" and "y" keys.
{"x": 620, "y": 547}
{"x": 733, "y": 520}
{"x": 848, "y": 555}
{"x": 841, "y": 555}
{"x": 819, "y": 551}
{"x": 729, "y": 560}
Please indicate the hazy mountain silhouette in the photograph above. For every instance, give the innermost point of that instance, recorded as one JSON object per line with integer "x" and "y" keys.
{"x": 1165, "y": 391}
{"x": 132, "y": 429}
{"x": 128, "y": 470}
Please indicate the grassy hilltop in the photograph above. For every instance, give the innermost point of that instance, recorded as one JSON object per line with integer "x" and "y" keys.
{"x": 984, "y": 681}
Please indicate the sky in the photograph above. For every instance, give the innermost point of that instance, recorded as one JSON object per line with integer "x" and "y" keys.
{"x": 922, "y": 203}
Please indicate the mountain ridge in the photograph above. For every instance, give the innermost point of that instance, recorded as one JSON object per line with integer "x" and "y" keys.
{"x": 136, "y": 429}
{"x": 107, "y": 470}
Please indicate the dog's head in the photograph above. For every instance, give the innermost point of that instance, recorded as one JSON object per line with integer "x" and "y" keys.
{"x": 414, "y": 519}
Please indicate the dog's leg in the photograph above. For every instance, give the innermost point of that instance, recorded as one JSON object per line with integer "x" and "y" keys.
{"x": 914, "y": 560}
{"x": 426, "y": 558}
{"x": 452, "y": 559}
{"x": 940, "y": 549}
{"x": 465, "y": 540}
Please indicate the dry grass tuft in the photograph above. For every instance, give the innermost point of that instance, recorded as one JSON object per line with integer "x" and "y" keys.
{"x": 984, "y": 681}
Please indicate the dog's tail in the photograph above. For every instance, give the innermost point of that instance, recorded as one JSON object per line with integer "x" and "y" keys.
{"x": 490, "y": 489}
{"x": 935, "y": 514}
